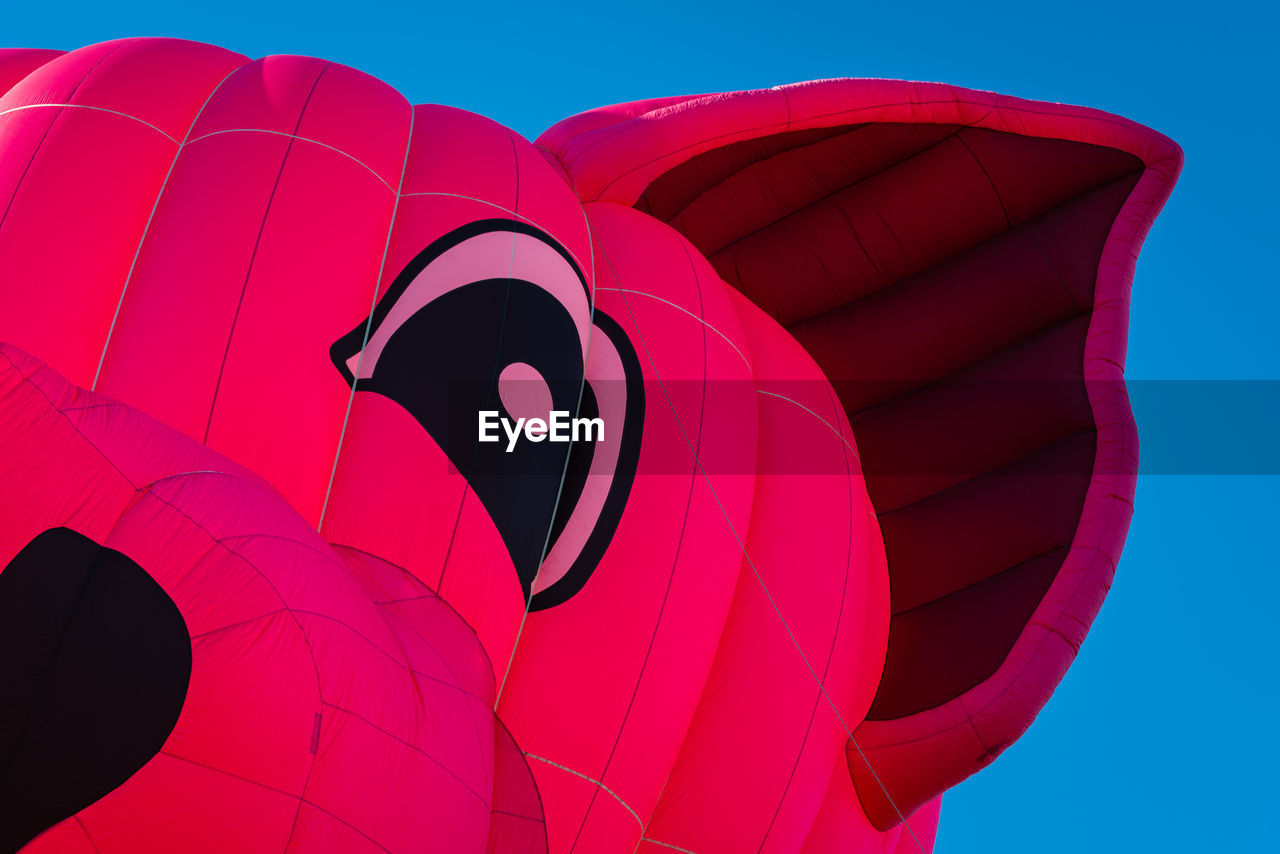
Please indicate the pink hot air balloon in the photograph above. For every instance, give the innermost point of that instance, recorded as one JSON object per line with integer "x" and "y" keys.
{"x": 863, "y": 465}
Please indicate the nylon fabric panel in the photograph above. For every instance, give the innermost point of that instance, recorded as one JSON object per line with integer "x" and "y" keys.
{"x": 29, "y": 425}
{"x": 248, "y": 326}
{"x": 17, "y": 62}
{"x": 301, "y": 671}
{"x": 66, "y": 837}
{"x": 988, "y": 299}
{"x": 924, "y": 823}
{"x": 77, "y": 184}
{"x": 755, "y": 765}
{"x": 897, "y": 234}
{"x": 325, "y": 234}
{"x": 616, "y": 710}
{"x": 842, "y": 823}
{"x": 517, "y": 826}
{"x": 166, "y": 355}
{"x": 796, "y": 170}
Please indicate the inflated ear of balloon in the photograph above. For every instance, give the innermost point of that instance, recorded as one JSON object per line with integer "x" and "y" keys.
{"x": 858, "y": 351}
{"x": 957, "y": 264}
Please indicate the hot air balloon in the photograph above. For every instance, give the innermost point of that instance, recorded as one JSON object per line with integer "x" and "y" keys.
{"x": 864, "y": 464}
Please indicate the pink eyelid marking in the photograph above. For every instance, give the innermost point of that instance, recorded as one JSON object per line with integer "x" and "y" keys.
{"x": 492, "y": 255}
{"x": 607, "y": 378}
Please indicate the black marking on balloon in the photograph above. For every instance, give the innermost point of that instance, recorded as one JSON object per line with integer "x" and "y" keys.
{"x": 95, "y": 660}
{"x": 441, "y": 365}
{"x": 351, "y": 343}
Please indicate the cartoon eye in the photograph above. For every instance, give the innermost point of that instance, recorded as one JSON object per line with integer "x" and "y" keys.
{"x": 497, "y": 316}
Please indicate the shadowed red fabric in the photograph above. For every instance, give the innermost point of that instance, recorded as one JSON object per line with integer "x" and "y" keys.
{"x": 939, "y": 275}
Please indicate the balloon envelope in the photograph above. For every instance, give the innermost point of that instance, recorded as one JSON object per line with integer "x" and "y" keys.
{"x": 865, "y": 467}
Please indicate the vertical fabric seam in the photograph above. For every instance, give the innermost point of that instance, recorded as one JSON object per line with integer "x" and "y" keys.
{"x": 257, "y": 244}
{"x": 368, "y": 326}
{"x": 146, "y": 229}
{"x": 675, "y": 562}
{"x": 773, "y": 602}
{"x": 18, "y": 186}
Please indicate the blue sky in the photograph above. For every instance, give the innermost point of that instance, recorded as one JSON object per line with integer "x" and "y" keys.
{"x": 1164, "y": 734}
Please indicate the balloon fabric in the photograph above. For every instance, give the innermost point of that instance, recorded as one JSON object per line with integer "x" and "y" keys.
{"x": 864, "y": 466}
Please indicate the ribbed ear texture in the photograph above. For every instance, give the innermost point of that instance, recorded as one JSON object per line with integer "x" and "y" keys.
{"x": 958, "y": 264}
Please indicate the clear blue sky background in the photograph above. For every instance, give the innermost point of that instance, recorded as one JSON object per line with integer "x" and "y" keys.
{"x": 1163, "y": 737}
